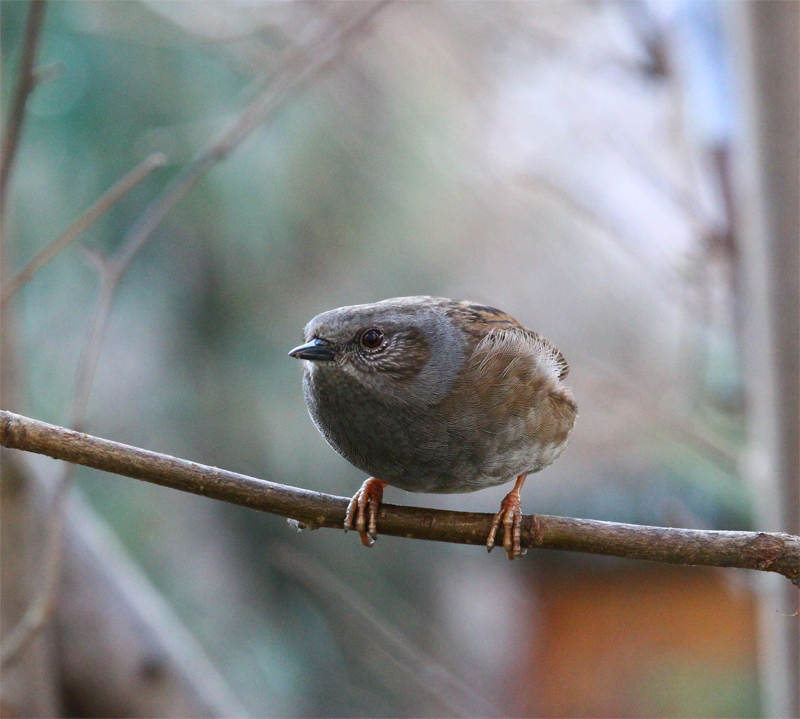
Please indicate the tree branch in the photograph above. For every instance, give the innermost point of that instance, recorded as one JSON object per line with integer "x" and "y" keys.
{"x": 25, "y": 86}
{"x": 142, "y": 660}
{"x": 773, "y": 552}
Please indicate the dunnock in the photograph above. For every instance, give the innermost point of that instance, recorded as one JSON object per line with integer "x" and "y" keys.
{"x": 431, "y": 395}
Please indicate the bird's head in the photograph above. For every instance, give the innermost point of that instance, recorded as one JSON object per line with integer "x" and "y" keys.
{"x": 405, "y": 349}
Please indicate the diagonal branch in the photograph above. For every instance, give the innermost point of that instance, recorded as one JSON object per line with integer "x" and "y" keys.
{"x": 368, "y": 631}
{"x": 297, "y": 69}
{"x": 83, "y": 223}
{"x": 773, "y": 552}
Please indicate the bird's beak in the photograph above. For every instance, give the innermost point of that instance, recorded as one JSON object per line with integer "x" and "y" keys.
{"x": 317, "y": 351}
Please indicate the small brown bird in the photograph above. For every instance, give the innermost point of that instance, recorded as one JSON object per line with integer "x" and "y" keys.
{"x": 431, "y": 395}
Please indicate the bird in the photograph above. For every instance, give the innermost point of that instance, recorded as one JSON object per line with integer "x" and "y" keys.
{"x": 433, "y": 395}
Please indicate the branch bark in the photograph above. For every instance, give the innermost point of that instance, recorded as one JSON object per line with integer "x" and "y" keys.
{"x": 773, "y": 552}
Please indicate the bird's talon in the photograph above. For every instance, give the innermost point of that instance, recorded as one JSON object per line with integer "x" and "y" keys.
{"x": 493, "y": 532}
{"x": 365, "y": 501}
{"x": 510, "y": 515}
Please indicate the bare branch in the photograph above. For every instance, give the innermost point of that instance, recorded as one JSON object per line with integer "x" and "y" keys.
{"x": 26, "y": 84}
{"x": 773, "y": 552}
{"x": 83, "y": 223}
{"x": 134, "y": 631}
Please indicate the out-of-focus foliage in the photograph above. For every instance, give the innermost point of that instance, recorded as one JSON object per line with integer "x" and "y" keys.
{"x": 549, "y": 158}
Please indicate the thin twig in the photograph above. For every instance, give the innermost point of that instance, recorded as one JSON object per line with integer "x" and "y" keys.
{"x": 679, "y": 425}
{"x": 38, "y": 612}
{"x": 640, "y": 162}
{"x": 773, "y": 552}
{"x": 83, "y": 223}
{"x": 25, "y": 86}
{"x": 611, "y": 231}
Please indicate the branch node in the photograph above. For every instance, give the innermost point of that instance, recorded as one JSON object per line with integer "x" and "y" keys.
{"x": 96, "y": 259}
{"x": 10, "y": 429}
{"x": 533, "y": 528}
{"x": 765, "y": 550}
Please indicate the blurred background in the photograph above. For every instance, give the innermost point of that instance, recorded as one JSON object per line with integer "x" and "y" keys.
{"x": 619, "y": 176}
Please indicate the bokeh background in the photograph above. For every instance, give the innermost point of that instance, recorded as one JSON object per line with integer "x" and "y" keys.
{"x": 593, "y": 168}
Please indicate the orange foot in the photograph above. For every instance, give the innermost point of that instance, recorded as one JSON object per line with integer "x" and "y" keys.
{"x": 365, "y": 500}
{"x": 510, "y": 515}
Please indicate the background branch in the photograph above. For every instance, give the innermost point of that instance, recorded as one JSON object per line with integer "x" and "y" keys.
{"x": 774, "y": 552}
{"x": 140, "y": 659}
{"x": 388, "y": 644}
{"x": 83, "y": 223}
{"x": 25, "y": 86}
{"x": 299, "y": 66}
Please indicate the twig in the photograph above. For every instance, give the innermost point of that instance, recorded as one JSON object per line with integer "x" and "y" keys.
{"x": 38, "y": 612}
{"x": 25, "y": 86}
{"x": 773, "y": 552}
{"x": 614, "y": 235}
{"x": 106, "y": 588}
{"x": 83, "y": 223}
{"x": 680, "y": 425}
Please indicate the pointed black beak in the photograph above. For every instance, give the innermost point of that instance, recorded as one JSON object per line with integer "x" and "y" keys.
{"x": 317, "y": 351}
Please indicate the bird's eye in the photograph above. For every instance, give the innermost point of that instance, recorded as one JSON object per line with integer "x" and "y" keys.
{"x": 372, "y": 339}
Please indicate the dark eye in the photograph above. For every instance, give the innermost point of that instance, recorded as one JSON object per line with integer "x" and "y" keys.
{"x": 372, "y": 339}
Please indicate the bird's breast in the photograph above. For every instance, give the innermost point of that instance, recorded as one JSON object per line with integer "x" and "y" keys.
{"x": 458, "y": 445}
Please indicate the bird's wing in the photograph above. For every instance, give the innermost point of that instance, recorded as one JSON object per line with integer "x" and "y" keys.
{"x": 514, "y": 393}
{"x": 489, "y": 327}
{"x": 514, "y": 344}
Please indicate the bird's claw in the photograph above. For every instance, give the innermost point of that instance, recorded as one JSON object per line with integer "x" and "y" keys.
{"x": 510, "y": 515}
{"x": 364, "y": 508}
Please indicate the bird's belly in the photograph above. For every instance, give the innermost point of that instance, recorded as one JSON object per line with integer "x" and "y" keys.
{"x": 419, "y": 450}
{"x": 416, "y": 453}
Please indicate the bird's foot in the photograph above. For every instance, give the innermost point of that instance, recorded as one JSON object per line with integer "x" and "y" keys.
{"x": 510, "y": 515}
{"x": 364, "y": 508}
